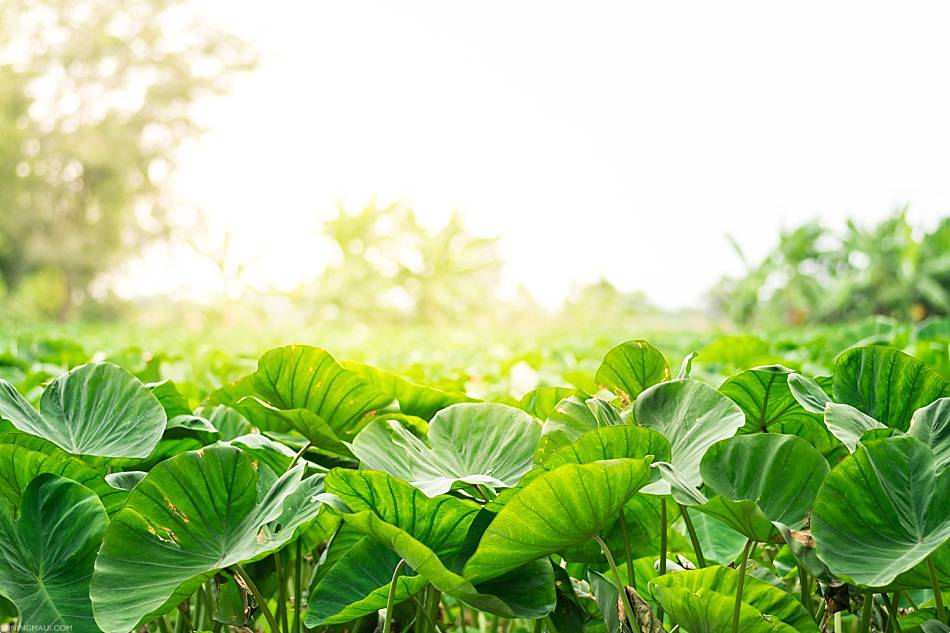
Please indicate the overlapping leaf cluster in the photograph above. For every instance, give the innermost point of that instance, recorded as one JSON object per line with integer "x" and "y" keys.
{"x": 311, "y": 494}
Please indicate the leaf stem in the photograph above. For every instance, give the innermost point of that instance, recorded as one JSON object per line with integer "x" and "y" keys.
{"x": 805, "y": 583}
{"x": 391, "y": 598}
{"x": 935, "y": 584}
{"x": 620, "y": 586}
{"x": 700, "y": 559}
{"x": 628, "y": 556}
{"x": 298, "y": 590}
{"x": 299, "y": 454}
{"x": 281, "y": 592}
{"x": 663, "y": 546}
{"x": 893, "y": 615}
{"x": 261, "y": 600}
{"x": 865, "y": 625}
{"x": 746, "y": 551}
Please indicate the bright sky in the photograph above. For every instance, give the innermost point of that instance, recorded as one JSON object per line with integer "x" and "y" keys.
{"x": 596, "y": 138}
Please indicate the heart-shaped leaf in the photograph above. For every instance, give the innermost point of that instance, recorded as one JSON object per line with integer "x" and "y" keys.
{"x": 422, "y": 401}
{"x": 193, "y": 515}
{"x": 886, "y": 384}
{"x": 848, "y": 424}
{"x": 354, "y": 579}
{"x": 571, "y": 418}
{"x": 631, "y": 367}
{"x": 430, "y": 534}
{"x": 557, "y": 510}
{"x": 765, "y": 398}
{"x": 47, "y": 552}
{"x": 97, "y": 409}
{"x": 692, "y": 416}
{"x": 474, "y": 443}
{"x": 702, "y": 601}
{"x": 882, "y": 511}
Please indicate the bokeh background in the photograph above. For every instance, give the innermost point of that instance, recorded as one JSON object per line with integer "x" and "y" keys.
{"x": 406, "y": 178}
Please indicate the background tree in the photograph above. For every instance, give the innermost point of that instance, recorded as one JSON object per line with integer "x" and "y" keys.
{"x": 818, "y": 275}
{"x": 94, "y": 101}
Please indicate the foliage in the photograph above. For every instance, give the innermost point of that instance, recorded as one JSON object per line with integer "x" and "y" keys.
{"x": 95, "y": 98}
{"x": 314, "y": 493}
{"x": 818, "y": 275}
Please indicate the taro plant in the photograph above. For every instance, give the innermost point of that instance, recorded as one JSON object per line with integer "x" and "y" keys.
{"x": 314, "y": 495}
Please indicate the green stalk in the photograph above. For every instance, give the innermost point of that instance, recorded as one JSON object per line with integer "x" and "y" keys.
{"x": 746, "y": 551}
{"x": 620, "y": 586}
{"x": 805, "y": 583}
{"x": 865, "y": 625}
{"x": 837, "y": 622}
{"x": 897, "y": 603}
{"x": 462, "y": 626}
{"x": 298, "y": 591}
{"x": 538, "y": 625}
{"x": 261, "y": 601}
{"x": 281, "y": 592}
{"x": 163, "y": 625}
{"x": 700, "y": 559}
{"x": 892, "y": 612}
{"x": 432, "y": 608}
{"x": 628, "y": 556}
{"x": 663, "y": 528}
{"x": 391, "y": 599}
{"x": 299, "y": 454}
{"x": 199, "y": 604}
{"x": 935, "y": 584}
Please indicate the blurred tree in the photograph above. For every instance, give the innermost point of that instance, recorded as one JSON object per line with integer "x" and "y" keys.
{"x": 815, "y": 275}
{"x": 390, "y": 265}
{"x": 94, "y": 99}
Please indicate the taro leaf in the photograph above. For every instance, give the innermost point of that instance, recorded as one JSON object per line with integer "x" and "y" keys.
{"x": 302, "y": 378}
{"x": 47, "y": 553}
{"x": 474, "y": 443}
{"x": 686, "y": 367}
{"x": 848, "y": 424}
{"x": 354, "y": 579}
{"x": 931, "y": 425}
{"x": 780, "y": 473}
{"x": 692, "y": 416}
{"x": 557, "y": 510}
{"x": 125, "y": 480}
{"x": 265, "y": 450}
{"x": 882, "y": 511}
{"x": 193, "y": 515}
{"x": 23, "y": 457}
{"x": 808, "y": 393}
{"x": 764, "y": 396}
{"x": 886, "y": 384}
{"x": 429, "y": 534}
{"x": 631, "y": 367}
{"x": 97, "y": 409}
{"x": 540, "y": 402}
{"x": 570, "y": 419}
{"x": 702, "y": 601}
{"x": 422, "y": 401}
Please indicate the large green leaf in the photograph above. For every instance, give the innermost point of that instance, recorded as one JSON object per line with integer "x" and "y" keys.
{"x": 612, "y": 442}
{"x": 47, "y": 552}
{"x": 882, "y": 511}
{"x": 631, "y": 367}
{"x": 702, "y": 601}
{"x": 931, "y": 425}
{"x": 540, "y": 402}
{"x": 474, "y": 443}
{"x": 886, "y": 384}
{"x": 764, "y": 396}
{"x": 194, "y": 514}
{"x": 557, "y": 510}
{"x": 23, "y": 457}
{"x": 302, "y": 377}
{"x": 354, "y": 579}
{"x": 430, "y": 534}
{"x": 692, "y": 416}
{"x": 779, "y": 474}
{"x": 97, "y": 409}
